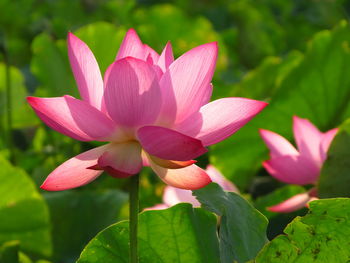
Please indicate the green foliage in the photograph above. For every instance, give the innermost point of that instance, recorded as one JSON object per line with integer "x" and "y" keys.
{"x": 177, "y": 234}
{"x": 21, "y": 114}
{"x": 320, "y": 236}
{"x": 156, "y": 28}
{"x": 242, "y": 228}
{"x": 78, "y": 216}
{"x": 9, "y": 252}
{"x": 51, "y": 67}
{"x": 23, "y": 212}
{"x": 262, "y": 82}
{"x": 334, "y": 179}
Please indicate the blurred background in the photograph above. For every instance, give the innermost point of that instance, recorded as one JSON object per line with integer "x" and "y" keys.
{"x": 269, "y": 50}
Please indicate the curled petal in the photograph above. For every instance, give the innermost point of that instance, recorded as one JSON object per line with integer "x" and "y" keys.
{"x": 151, "y": 55}
{"x": 218, "y": 178}
{"x": 74, "y": 118}
{"x": 86, "y": 71}
{"x": 277, "y": 144}
{"x": 121, "y": 159}
{"x": 293, "y": 169}
{"x": 219, "y": 119}
{"x": 156, "y": 207}
{"x": 173, "y": 196}
{"x": 168, "y": 144}
{"x": 131, "y": 46}
{"x": 308, "y": 138}
{"x": 326, "y": 141}
{"x": 191, "y": 177}
{"x": 185, "y": 82}
{"x": 166, "y": 58}
{"x": 170, "y": 163}
{"x": 74, "y": 172}
{"x": 292, "y": 204}
{"x": 132, "y": 95}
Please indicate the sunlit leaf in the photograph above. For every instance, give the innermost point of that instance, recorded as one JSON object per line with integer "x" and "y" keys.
{"x": 23, "y": 213}
{"x": 320, "y": 236}
{"x": 177, "y": 234}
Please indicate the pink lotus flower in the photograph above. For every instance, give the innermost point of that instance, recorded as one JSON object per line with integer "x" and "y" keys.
{"x": 301, "y": 166}
{"x": 150, "y": 109}
{"x": 173, "y": 195}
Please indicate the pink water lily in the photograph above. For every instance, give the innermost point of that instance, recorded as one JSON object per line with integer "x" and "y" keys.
{"x": 173, "y": 195}
{"x": 153, "y": 111}
{"x": 300, "y": 166}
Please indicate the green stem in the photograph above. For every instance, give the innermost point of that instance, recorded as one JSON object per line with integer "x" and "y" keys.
{"x": 133, "y": 214}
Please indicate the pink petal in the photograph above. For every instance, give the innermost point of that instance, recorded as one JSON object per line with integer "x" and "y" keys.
{"x": 166, "y": 58}
{"x": 293, "y": 169}
{"x": 277, "y": 144}
{"x": 151, "y": 55}
{"x": 185, "y": 82}
{"x": 326, "y": 141}
{"x": 220, "y": 118}
{"x": 131, "y": 46}
{"x": 207, "y": 95}
{"x": 308, "y": 138}
{"x": 170, "y": 163}
{"x": 86, "y": 71}
{"x": 121, "y": 159}
{"x": 74, "y": 118}
{"x": 156, "y": 207}
{"x": 218, "y": 178}
{"x": 191, "y": 177}
{"x": 173, "y": 196}
{"x": 292, "y": 204}
{"x": 168, "y": 144}
{"x": 74, "y": 172}
{"x": 145, "y": 157}
{"x": 132, "y": 95}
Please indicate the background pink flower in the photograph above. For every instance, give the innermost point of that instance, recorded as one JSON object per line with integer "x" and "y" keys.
{"x": 173, "y": 195}
{"x": 297, "y": 166}
{"x": 151, "y": 109}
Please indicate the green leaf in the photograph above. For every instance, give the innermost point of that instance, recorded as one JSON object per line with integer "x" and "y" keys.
{"x": 23, "y": 212}
{"x": 334, "y": 180}
{"x": 242, "y": 228}
{"x": 85, "y": 213}
{"x": 320, "y": 236}
{"x": 317, "y": 89}
{"x": 21, "y": 114}
{"x": 177, "y": 234}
